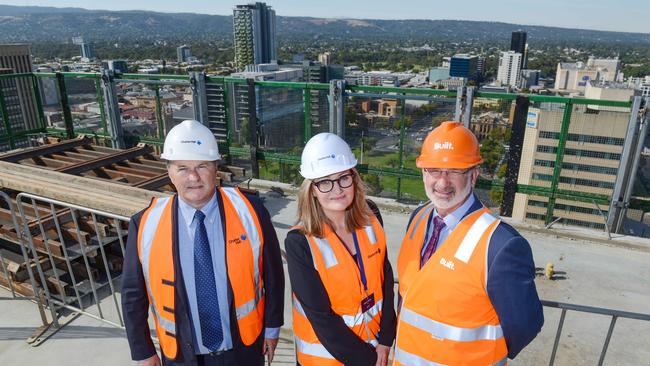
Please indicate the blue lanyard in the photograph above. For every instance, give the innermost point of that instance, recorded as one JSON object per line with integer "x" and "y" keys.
{"x": 360, "y": 261}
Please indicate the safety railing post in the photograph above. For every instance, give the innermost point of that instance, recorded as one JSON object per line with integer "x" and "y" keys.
{"x": 159, "y": 116}
{"x": 5, "y": 119}
{"x": 468, "y": 106}
{"x": 402, "y": 135}
{"x": 36, "y": 92}
{"x": 100, "y": 102}
{"x": 623, "y": 187}
{"x": 337, "y": 107}
{"x": 199, "y": 97}
{"x": 253, "y": 127}
{"x": 65, "y": 105}
{"x": 112, "y": 109}
{"x": 306, "y": 97}
{"x": 514, "y": 155}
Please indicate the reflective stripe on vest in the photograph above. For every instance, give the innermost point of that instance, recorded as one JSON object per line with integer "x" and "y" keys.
{"x": 349, "y": 320}
{"x": 326, "y": 250}
{"x": 406, "y": 358}
{"x": 466, "y": 248}
{"x": 251, "y": 230}
{"x": 445, "y": 331}
{"x": 148, "y": 232}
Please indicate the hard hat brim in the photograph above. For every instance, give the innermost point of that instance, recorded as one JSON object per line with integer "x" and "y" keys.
{"x": 190, "y": 156}
{"x": 326, "y": 172}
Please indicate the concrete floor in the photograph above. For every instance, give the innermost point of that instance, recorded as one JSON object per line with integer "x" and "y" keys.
{"x": 596, "y": 274}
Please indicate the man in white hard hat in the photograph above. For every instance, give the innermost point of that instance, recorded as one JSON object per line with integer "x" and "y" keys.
{"x": 206, "y": 262}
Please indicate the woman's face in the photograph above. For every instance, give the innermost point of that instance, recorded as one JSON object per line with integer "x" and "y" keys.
{"x": 334, "y": 192}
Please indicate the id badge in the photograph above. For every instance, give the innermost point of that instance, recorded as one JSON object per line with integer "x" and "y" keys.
{"x": 367, "y": 303}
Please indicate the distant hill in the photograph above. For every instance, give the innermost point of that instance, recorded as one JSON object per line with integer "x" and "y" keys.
{"x": 47, "y": 24}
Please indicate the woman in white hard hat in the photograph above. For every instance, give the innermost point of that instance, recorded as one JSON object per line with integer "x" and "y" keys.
{"x": 342, "y": 281}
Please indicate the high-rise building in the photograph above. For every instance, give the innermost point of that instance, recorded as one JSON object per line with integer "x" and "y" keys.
{"x": 591, "y": 164}
{"x": 183, "y": 53}
{"x": 529, "y": 78}
{"x": 18, "y": 58}
{"x": 119, "y": 66}
{"x": 87, "y": 51}
{"x": 464, "y": 66}
{"x": 325, "y": 58}
{"x": 254, "y": 32}
{"x": 509, "y": 68}
{"x": 518, "y": 44}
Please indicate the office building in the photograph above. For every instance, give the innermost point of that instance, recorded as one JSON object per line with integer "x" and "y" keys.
{"x": 464, "y": 66}
{"x": 592, "y": 156}
{"x": 117, "y": 66}
{"x": 254, "y": 34}
{"x": 574, "y": 76}
{"x": 18, "y": 58}
{"x": 183, "y": 53}
{"x": 87, "y": 53}
{"x": 529, "y": 78}
{"x": 518, "y": 44}
{"x": 509, "y": 68}
{"x": 325, "y": 58}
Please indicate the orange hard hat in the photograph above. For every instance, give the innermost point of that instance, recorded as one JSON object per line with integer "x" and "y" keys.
{"x": 451, "y": 146}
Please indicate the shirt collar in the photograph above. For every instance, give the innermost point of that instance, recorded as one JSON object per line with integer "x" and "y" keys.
{"x": 453, "y": 218}
{"x": 208, "y": 209}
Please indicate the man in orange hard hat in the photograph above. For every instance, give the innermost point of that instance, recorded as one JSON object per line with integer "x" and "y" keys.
{"x": 466, "y": 279}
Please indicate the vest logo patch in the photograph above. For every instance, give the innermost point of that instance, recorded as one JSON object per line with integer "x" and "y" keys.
{"x": 449, "y": 264}
{"x": 374, "y": 253}
{"x": 237, "y": 240}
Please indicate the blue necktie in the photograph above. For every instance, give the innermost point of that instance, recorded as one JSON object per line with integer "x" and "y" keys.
{"x": 206, "y": 287}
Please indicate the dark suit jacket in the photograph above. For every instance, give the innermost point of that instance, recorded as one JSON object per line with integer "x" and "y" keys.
{"x": 135, "y": 303}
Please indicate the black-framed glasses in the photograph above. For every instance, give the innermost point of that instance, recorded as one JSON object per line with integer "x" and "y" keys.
{"x": 451, "y": 173}
{"x": 327, "y": 185}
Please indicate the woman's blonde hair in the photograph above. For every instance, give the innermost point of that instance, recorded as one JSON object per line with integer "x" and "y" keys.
{"x": 312, "y": 218}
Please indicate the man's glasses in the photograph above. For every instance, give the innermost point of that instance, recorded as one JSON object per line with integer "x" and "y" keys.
{"x": 327, "y": 185}
{"x": 451, "y": 173}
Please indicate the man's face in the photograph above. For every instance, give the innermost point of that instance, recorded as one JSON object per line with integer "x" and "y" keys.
{"x": 448, "y": 188}
{"x": 194, "y": 180}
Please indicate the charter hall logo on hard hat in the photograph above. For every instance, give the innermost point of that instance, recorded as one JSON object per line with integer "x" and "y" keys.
{"x": 444, "y": 146}
{"x": 332, "y": 156}
{"x": 198, "y": 142}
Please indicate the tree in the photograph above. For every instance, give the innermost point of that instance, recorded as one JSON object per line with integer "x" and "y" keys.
{"x": 372, "y": 183}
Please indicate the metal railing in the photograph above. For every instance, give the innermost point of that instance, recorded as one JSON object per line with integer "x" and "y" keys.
{"x": 294, "y": 111}
{"x": 614, "y": 314}
{"x": 77, "y": 253}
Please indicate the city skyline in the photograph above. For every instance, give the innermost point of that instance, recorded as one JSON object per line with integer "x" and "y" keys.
{"x": 629, "y": 15}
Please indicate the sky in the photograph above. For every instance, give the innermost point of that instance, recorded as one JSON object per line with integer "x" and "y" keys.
{"x": 620, "y": 15}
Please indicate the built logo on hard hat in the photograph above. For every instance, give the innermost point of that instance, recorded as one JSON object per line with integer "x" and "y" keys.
{"x": 444, "y": 146}
{"x": 198, "y": 142}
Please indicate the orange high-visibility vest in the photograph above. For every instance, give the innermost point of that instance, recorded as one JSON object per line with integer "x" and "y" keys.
{"x": 446, "y": 316}
{"x": 340, "y": 275}
{"x": 244, "y": 248}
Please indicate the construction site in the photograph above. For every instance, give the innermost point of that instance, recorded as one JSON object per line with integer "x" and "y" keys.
{"x": 69, "y": 190}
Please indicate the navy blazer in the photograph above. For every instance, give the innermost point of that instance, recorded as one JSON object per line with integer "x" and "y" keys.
{"x": 135, "y": 302}
{"x": 511, "y": 284}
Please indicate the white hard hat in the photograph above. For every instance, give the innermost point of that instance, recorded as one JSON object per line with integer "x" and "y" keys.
{"x": 190, "y": 140}
{"x": 326, "y": 154}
